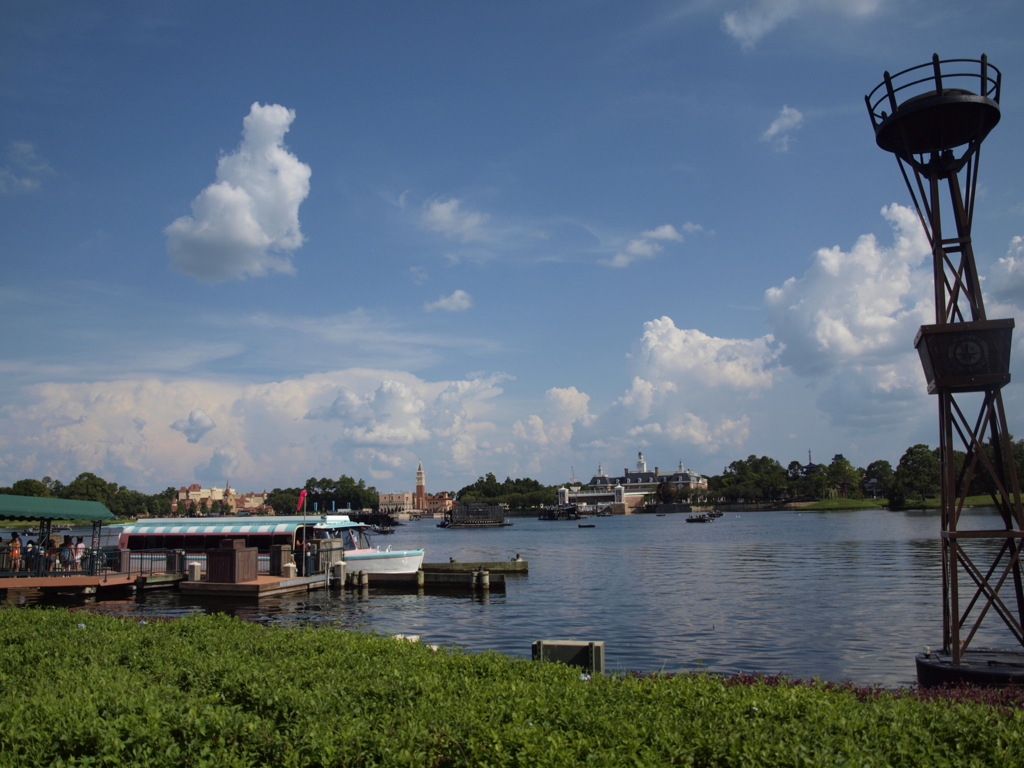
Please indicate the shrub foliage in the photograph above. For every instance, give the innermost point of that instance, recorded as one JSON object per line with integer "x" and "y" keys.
{"x": 94, "y": 690}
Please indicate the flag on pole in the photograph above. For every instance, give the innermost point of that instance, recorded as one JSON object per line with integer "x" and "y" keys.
{"x": 302, "y": 498}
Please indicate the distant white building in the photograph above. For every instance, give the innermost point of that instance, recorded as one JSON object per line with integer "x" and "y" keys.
{"x": 625, "y": 492}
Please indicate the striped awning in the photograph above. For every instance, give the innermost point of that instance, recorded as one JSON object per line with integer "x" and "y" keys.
{"x": 237, "y": 526}
{"x": 212, "y": 528}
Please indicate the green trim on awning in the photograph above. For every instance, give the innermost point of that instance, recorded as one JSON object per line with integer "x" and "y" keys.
{"x": 39, "y": 508}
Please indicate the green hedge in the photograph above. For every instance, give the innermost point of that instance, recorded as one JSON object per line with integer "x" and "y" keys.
{"x": 88, "y": 689}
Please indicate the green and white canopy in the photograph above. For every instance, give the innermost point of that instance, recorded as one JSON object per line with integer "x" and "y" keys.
{"x": 39, "y": 508}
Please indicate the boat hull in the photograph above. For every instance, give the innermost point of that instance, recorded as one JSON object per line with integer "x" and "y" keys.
{"x": 383, "y": 563}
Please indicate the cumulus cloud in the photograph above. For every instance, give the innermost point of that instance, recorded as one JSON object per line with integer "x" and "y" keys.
{"x": 565, "y": 408}
{"x": 448, "y": 217}
{"x": 849, "y": 321}
{"x": 246, "y": 224}
{"x": 390, "y": 415}
{"x": 778, "y": 133}
{"x": 195, "y": 426}
{"x": 272, "y": 433}
{"x": 1006, "y": 282}
{"x": 687, "y": 388}
{"x": 23, "y": 171}
{"x": 670, "y": 356}
{"x": 857, "y": 306}
{"x": 647, "y": 246}
{"x": 761, "y": 17}
{"x": 459, "y": 301}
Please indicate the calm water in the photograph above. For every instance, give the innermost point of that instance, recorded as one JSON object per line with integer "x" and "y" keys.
{"x": 838, "y": 596}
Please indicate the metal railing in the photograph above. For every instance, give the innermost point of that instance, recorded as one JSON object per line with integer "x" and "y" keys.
{"x": 930, "y": 78}
{"x": 95, "y": 562}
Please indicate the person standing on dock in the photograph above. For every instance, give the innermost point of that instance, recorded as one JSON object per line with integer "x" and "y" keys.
{"x": 15, "y": 550}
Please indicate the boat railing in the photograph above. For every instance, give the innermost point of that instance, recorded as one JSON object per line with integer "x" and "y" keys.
{"x": 143, "y": 562}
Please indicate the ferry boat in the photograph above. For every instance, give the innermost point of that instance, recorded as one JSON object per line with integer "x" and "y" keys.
{"x": 325, "y": 538}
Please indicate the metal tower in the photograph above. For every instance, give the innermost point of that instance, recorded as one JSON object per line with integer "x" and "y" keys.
{"x": 934, "y": 117}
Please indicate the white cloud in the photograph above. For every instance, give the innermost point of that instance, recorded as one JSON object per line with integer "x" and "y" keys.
{"x": 761, "y": 17}
{"x": 195, "y": 426}
{"x": 459, "y": 301}
{"x": 390, "y": 415}
{"x": 664, "y": 232}
{"x": 647, "y": 246}
{"x": 779, "y": 131}
{"x": 246, "y": 224}
{"x": 273, "y": 433}
{"x": 669, "y": 356}
{"x": 566, "y": 407}
{"x": 24, "y": 170}
{"x": 848, "y": 324}
{"x": 1006, "y": 281}
{"x": 448, "y": 217}
{"x": 857, "y": 306}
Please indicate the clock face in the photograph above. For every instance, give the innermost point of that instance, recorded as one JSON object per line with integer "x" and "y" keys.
{"x": 968, "y": 353}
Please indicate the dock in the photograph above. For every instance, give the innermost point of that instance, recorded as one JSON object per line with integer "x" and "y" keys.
{"x": 83, "y": 584}
{"x": 261, "y": 586}
{"x": 485, "y": 576}
{"x": 515, "y": 565}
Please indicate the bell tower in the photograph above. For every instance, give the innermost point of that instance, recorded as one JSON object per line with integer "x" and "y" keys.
{"x": 419, "y": 500}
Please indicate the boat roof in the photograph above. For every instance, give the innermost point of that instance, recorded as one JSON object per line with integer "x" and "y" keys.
{"x": 41, "y": 508}
{"x": 239, "y": 524}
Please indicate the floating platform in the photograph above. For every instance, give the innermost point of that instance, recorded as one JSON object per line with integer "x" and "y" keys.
{"x": 82, "y": 584}
{"x": 261, "y": 586}
{"x": 515, "y": 565}
{"x": 986, "y": 667}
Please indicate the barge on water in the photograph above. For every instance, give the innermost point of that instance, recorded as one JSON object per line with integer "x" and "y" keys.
{"x": 475, "y": 516}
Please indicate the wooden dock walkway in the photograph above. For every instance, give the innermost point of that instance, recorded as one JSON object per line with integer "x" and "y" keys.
{"x": 473, "y": 576}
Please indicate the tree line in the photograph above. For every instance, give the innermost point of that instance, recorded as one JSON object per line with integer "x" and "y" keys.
{"x": 916, "y": 477}
{"x": 756, "y": 479}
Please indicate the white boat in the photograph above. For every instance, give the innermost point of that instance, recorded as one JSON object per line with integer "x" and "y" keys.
{"x": 324, "y": 538}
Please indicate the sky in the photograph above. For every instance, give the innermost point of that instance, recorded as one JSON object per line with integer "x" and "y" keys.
{"x": 256, "y": 243}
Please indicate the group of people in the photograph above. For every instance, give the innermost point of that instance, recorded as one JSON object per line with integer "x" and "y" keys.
{"x": 64, "y": 556}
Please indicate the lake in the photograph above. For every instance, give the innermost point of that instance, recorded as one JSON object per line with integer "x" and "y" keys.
{"x": 833, "y": 595}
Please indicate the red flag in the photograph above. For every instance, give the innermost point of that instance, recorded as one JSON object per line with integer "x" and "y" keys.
{"x": 302, "y": 498}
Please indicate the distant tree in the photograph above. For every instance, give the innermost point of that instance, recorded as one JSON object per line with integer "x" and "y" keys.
{"x": 815, "y": 482}
{"x": 30, "y": 487}
{"x": 159, "y": 505}
{"x": 56, "y": 487}
{"x": 521, "y": 493}
{"x": 916, "y": 477}
{"x": 128, "y": 503}
{"x": 880, "y": 470}
{"x": 89, "y": 487}
{"x": 844, "y": 479}
{"x": 283, "y": 501}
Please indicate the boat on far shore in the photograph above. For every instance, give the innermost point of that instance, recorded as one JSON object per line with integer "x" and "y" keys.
{"x": 560, "y": 512}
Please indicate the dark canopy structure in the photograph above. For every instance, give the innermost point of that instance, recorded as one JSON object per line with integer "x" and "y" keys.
{"x": 39, "y": 508}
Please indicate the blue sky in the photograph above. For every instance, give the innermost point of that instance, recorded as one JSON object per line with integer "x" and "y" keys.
{"x": 264, "y": 242}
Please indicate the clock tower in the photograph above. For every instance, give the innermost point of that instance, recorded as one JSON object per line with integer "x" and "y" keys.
{"x": 419, "y": 499}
